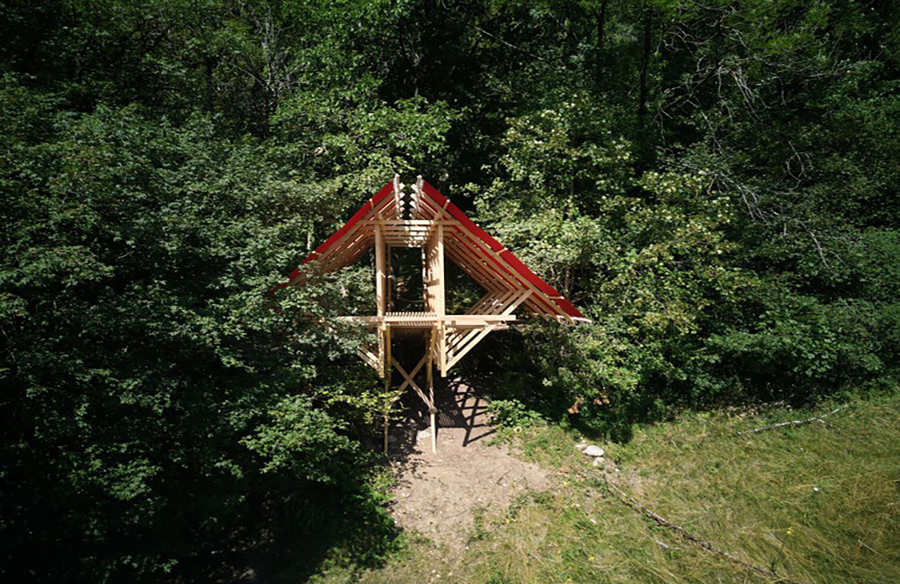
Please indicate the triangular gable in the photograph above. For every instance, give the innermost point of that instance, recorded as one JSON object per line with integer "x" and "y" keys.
{"x": 430, "y": 203}
{"x": 480, "y": 256}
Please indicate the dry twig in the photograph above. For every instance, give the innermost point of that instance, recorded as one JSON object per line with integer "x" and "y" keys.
{"x": 792, "y": 423}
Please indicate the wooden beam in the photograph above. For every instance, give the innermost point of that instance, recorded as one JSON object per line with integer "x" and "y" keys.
{"x": 410, "y": 379}
{"x": 461, "y": 337}
{"x": 380, "y": 274}
{"x": 386, "y": 373}
{"x": 493, "y": 306}
{"x": 449, "y": 320}
{"x": 497, "y": 259}
{"x": 329, "y": 260}
{"x": 380, "y": 307}
{"x": 440, "y": 301}
{"x": 430, "y": 376}
{"x": 476, "y": 269}
{"x": 398, "y": 192}
{"x": 370, "y": 358}
{"x": 413, "y": 223}
{"x": 469, "y": 343}
{"x": 495, "y": 256}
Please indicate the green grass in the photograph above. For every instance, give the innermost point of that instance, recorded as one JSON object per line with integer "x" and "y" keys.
{"x": 816, "y": 503}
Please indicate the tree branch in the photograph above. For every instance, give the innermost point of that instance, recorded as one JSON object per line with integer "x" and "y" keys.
{"x": 792, "y": 422}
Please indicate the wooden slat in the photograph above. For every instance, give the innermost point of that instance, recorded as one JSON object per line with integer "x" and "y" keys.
{"x": 476, "y": 269}
{"x": 504, "y": 305}
{"x": 493, "y": 305}
{"x": 480, "y": 242}
{"x": 473, "y": 337}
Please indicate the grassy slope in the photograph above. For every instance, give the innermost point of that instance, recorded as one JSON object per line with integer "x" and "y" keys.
{"x": 754, "y": 496}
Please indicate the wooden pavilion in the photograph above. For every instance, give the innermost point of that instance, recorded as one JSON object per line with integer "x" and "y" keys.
{"x": 426, "y": 219}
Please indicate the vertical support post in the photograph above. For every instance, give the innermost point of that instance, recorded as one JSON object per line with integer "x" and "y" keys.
{"x": 380, "y": 279}
{"x": 380, "y": 271}
{"x": 439, "y": 301}
{"x": 398, "y": 196}
{"x": 385, "y": 332}
{"x": 386, "y": 432}
{"x": 435, "y": 301}
{"x": 388, "y": 279}
{"x": 433, "y": 410}
{"x": 426, "y": 280}
{"x": 433, "y": 276}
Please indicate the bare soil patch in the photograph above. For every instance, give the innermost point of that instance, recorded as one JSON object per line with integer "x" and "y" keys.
{"x": 438, "y": 494}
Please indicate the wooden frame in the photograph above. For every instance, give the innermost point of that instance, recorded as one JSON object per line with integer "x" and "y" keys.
{"x": 426, "y": 219}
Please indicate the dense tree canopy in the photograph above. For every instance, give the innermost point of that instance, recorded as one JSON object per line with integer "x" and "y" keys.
{"x": 715, "y": 182}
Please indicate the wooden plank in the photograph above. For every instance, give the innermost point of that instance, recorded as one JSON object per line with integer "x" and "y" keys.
{"x": 380, "y": 298}
{"x": 483, "y": 301}
{"x": 448, "y": 319}
{"x": 486, "y": 283}
{"x": 491, "y": 304}
{"x": 337, "y": 246}
{"x": 386, "y": 373}
{"x": 389, "y": 279}
{"x": 369, "y": 358}
{"x": 478, "y": 256}
{"x": 398, "y": 192}
{"x": 375, "y": 202}
{"x": 477, "y": 269}
{"x": 472, "y": 338}
{"x": 333, "y": 259}
{"x": 495, "y": 256}
{"x": 413, "y": 223}
{"x": 471, "y": 345}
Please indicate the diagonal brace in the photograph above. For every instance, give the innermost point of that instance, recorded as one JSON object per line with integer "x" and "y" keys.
{"x": 410, "y": 381}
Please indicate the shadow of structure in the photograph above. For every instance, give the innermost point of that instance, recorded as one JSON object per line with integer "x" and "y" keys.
{"x": 462, "y": 419}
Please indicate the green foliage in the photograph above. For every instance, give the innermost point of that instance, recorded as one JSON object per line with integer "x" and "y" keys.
{"x": 154, "y": 384}
{"x": 648, "y": 253}
{"x": 714, "y": 184}
{"x": 511, "y": 416}
{"x": 301, "y": 441}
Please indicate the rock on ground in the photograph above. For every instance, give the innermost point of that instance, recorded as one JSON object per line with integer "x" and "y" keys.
{"x": 594, "y": 451}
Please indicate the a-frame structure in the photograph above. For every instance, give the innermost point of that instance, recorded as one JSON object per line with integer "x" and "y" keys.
{"x": 426, "y": 219}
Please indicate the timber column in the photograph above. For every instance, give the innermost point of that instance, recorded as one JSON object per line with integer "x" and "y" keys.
{"x": 433, "y": 274}
{"x": 384, "y": 335}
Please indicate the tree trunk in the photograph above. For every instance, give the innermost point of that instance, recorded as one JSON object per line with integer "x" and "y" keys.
{"x": 645, "y": 65}
{"x": 601, "y": 37}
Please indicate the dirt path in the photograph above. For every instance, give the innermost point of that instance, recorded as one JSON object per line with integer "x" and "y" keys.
{"x": 437, "y": 495}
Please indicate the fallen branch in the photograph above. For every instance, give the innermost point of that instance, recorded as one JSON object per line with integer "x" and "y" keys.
{"x": 792, "y": 422}
{"x": 637, "y": 506}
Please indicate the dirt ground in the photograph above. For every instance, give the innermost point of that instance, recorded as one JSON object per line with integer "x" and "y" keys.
{"x": 438, "y": 494}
